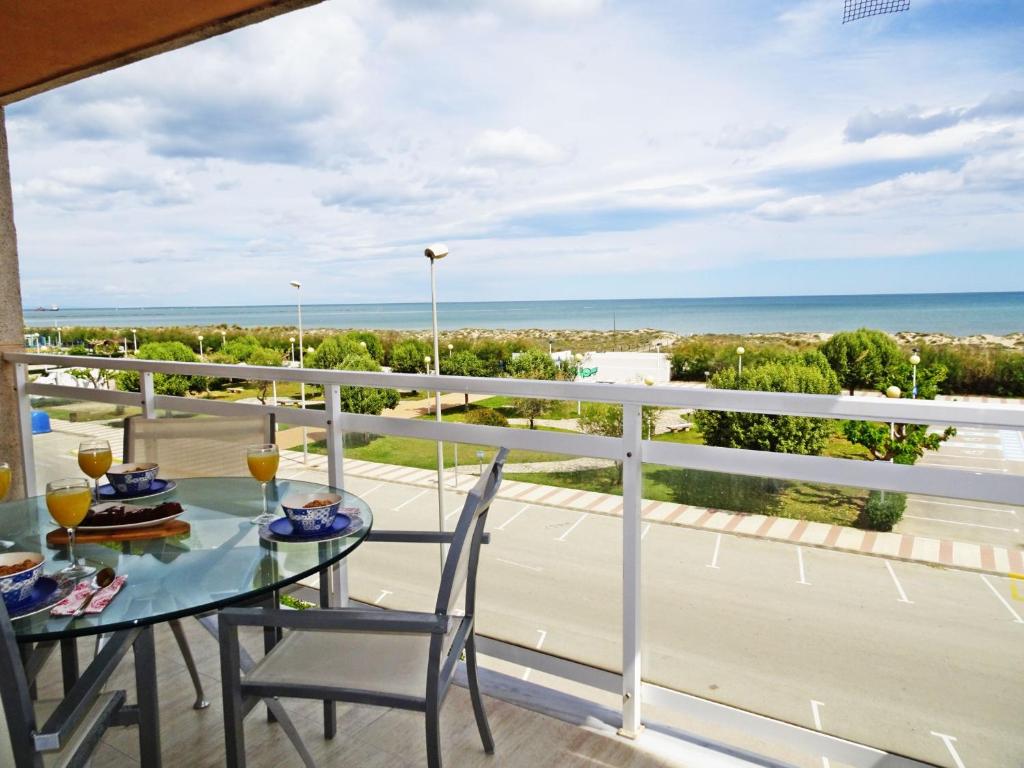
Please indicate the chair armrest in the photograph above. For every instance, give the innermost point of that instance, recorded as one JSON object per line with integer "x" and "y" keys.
{"x": 336, "y": 618}
{"x": 418, "y": 537}
{"x": 79, "y": 700}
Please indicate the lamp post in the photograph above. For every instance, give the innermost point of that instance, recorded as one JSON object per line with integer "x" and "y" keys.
{"x": 579, "y": 403}
{"x": 362, "y": 345}
{"x": 650, "y": 427}
{"x": 302, "y": 385}
{"x": 125, "y": 347}
{"x": 200, "y": 337}
{"x": 551, "y": 344}
{"x": 915, "y": 360}
{"x": 60, "y": 341}
{"x": 739, "y": 362}
{"x": 223, "y": 340}
{"x": 135, "y": 342}
{"x": 450, "y": 348}
{"x": 707, "y": 378}
{"x": 434, "y": 253}
{"x": 291, "y": 348}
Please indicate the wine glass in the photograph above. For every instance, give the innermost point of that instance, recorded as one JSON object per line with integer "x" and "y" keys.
{"x": 5, "y": 479}
{"x": 94, "y": 459}
{"x": 68, "y": 501}
{"x": 263, "y": 461}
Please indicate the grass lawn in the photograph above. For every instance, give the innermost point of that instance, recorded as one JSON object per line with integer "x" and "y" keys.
{"x": 557, "y": 409}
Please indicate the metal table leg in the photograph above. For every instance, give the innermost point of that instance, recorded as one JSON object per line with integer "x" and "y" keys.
{"x": 148, "y": 703}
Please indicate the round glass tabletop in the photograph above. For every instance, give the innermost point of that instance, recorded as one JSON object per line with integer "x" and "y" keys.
{"x": 221, "y": 561}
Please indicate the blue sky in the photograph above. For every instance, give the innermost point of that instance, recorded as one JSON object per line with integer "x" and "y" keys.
{"x": 562, "y": 149}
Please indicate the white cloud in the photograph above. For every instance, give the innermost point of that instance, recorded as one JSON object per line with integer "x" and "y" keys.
{"x": 514, "y": 145}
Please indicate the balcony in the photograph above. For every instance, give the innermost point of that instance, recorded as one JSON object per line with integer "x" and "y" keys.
{"x": 737, "y": 632}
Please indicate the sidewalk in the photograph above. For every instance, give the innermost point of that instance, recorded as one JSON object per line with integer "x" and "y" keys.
{"x": 984, "y": 558}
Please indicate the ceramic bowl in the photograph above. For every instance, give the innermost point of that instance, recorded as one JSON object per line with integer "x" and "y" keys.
{"x": 312, "y": 520}
{"x": 132, "y": 478}
{"x": 17, "y": 587}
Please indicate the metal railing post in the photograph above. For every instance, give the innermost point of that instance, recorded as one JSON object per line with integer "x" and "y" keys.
{"x": 28, "y": 454}
{"x": 148, "y": 395}
{"x": 337, "y": 575}
{"x": 632, "y": 465}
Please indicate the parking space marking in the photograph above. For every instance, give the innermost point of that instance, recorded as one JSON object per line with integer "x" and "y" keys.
{"x": 540, "y": 642}
{"x": 644, "y": 533}
{"x": 800, "y": 560}
{"x": 383, "y": 593}
{"x": 958, "y": 522}
{"x": 534, "y": 568}
{"x": 517, "y": 514}
{"x": 899, "y": 587}
{"x": 410, "y": 500}
{"x": 714, "y": 557}
{"x": 948, "y": 741}
{"x": 572, "y": 527}
{"x": 815, "y": 705}
{"x": 377, "y": 487}
{"x": 1016, "y": 616}
{"x": 963, "y": 506}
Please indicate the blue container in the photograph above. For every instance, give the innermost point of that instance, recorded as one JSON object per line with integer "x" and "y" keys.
{"x": 40, "y": 423}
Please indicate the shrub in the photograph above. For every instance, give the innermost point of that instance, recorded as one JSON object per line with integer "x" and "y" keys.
{"x": 862, "y": 358}
{"x": 407, "y": 356}
{"x": 883, "y": 511}
{"x": 487, "y": 417}
{"x": 163, "y": 383}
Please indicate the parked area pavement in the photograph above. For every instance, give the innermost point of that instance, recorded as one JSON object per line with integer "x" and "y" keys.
{"x": 907, "y": 656}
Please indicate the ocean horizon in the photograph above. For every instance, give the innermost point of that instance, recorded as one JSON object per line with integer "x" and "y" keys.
{"x": 958, "y": 314}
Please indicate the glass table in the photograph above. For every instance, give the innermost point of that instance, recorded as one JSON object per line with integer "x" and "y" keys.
{"x": 223, "y": 560}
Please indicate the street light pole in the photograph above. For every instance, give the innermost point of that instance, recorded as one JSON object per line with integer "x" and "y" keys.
{"x": 200, "y": 346}
{"x": 302, "y": 385}
{"x": 291, "y": 346}
{"x": 135, "y": 342}
{"x": 435, "y": 252}
{"x": 915, "y": 360}
{"x": 739, "y": 363}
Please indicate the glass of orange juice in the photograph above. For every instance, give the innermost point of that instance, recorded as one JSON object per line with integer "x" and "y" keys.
{"x": 94, "y": 458}
{"x": 263, "y": 461}
{"x": 5, "y": 479}
{"x": 68, "y": 501}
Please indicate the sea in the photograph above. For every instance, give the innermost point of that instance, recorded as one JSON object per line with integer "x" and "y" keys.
{"x": 959, "y": 314}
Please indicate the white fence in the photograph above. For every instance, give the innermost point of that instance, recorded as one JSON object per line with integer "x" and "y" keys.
{"x": 630, "y": 449}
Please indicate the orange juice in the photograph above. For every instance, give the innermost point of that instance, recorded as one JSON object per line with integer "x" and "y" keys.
{"x": 69, "y": 506}
{"x": 263, "y": 466}
{"x": 94, "y": 461}
{"x": 5, "y": 481}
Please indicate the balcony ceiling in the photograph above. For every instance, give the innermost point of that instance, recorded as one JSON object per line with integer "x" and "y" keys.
{"x": 47, "y": 43}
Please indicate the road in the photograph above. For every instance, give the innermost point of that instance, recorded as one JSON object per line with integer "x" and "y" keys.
{"x": 919, "y": 660}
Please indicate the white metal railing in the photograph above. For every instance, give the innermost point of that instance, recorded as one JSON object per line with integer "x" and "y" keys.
{"x": 629, "y": 448}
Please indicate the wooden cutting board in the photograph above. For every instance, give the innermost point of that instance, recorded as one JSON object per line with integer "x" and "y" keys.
{"x": 59, "y": 537}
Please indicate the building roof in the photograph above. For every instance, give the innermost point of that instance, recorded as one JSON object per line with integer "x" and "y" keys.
{"x": 47, "y": 43}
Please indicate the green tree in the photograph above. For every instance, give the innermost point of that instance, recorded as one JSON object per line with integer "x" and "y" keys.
{"x": 862, "y": 358}
{"x": 462, "y": 363}
{"x": 407, "y": 356}
{"x": 532, "y": 364}
{"x": 163, "y": 383}
{"x": 605, "y": 419}
{"x": 365, "y": 399}
{"x": 898, "y": 442}
{"x": 270, "y": 358}
{"x": 374, "y": 346}
{"x": 766, "y": 432}
{"x": 333, "y": 351}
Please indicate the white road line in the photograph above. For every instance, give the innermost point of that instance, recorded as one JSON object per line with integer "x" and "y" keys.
{"x": 410, "y": 500}
{"x": 572, "y": 527}
{"x": 948, "y": 741}
{"x": 540, "y": 642}
{"x": 817, "y": 724}
{"x": 454, "y": 512}
{"x": 534, "y": 568}
{"x": 962, "y": 506}
{"x": 377, "y": 487}
{"x": 714, "y": 557}
{"x": 899, "y": 587}
{"x": 800, "y": 560}
{"x": 1016, "y": 616}
{"x": 383, "y": 593}
{"x": 644, "y": 533}
{"x": 958, "y": 522}
{"x": 517, "y": 514}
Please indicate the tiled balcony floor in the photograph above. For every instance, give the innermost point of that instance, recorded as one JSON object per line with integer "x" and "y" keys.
{"x": 368, "y": 737}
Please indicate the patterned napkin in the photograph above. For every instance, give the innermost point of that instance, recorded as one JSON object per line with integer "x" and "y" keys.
{"x": 70, "y": 604}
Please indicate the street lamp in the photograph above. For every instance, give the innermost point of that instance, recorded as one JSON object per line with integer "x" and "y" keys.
{"x": 302, "y": 385}
{"x": 135, "y": 342}
{"x": 915, "y": 360}
{"x": 291, "y": 348}
{"x": 223, "y": 339}
{"x": 579, "y": 403}
{"x": 60, "y": 341}
{"x": 450, "y": 348}
{"x": 435, "y": 253}
{"x": 551, "y": 343}
{"x": 650, "y": 427}
{"x": 200, "y": 345}
{"x": 739, "y": 362}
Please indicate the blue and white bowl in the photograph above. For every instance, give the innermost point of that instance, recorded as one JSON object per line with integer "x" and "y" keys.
{"x": 17, "y": 587}
{"x": 312, "y": 520}
{"x": 132, "y": 478}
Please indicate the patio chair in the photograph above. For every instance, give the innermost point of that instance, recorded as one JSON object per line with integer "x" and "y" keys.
{"x": 399, "y": 659}
{"x": 52, "y": 733}
{"x": 195, "y": 447}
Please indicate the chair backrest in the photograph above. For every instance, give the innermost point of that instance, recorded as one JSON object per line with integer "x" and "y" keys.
{"x": 464, "y": 551}
{"x": 17, "y": 720}
{"x": 202, "y": 446}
